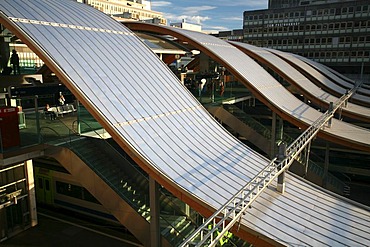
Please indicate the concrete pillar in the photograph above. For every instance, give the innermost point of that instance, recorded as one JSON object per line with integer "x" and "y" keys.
{"x": 28, "y": 167}
{"x": 326, "y": 165}
{"x": 4, "y": 53}
{"x": 273, "y": 135}
{"x": 155, "y": 235}
{"x": 281, "y": 178}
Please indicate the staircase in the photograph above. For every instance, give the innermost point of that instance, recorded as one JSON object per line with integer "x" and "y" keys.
{"x": 132, "y": 185}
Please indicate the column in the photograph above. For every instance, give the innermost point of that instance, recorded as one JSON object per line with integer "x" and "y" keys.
{"x": 326, "y": 165}
{"x": 281, "y": 178}
{"x": 28, "y": 167}
{"x": 330, "y": 109}
{"x": 155, "y": 236}
{"x": 273, "y": 135}
{"x": 4, "y": 52}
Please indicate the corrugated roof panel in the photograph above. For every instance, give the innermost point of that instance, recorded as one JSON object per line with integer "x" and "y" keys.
{"x": 300, "y": 79}
{"x": 200, "y": 158}
{"x": 318, "y": 76}
{"x": 332, "y": 75}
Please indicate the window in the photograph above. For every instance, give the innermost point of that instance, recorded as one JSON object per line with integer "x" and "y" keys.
{"x": 47, "y": 184}
{"x": 40, "y": 182}
{"x": 69, "y": 189}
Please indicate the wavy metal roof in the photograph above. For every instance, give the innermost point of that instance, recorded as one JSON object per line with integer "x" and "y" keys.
{"x": 322, "y": 79}
{"x": 266, "y": 88}
{"x": 305, "y": 85}
{"x": 333, "y": 75}
{"x": 154, "y": 118}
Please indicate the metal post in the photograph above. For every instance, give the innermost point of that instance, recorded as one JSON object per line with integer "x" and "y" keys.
{"x": 281, "y": 129}
{"x": 155, "y": 237}
{"x": 78, "y": 117}
{"x": 213, "y": 91}
{"x": 37, "y": 119}
{"x": 330, "y": 109}
{"x": 308, "y": 148}
{"x": 326, "y": 166}
{"x": 281, "y": 178}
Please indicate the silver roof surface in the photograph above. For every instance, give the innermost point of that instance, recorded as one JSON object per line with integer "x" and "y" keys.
{"x": 333, "y": 75}
{"x": 254, "y": 76}
{"x": 303, "y": 82}
{"x": 320, "y": 77}
{"x": 145, "y": 105}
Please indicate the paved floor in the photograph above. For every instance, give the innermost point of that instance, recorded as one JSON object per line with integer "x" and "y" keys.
{"x": 51, "y": 232}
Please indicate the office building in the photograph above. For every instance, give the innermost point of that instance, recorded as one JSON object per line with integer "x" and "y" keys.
{"x": 233, "y": 35}
{"x": 335, "y": 33}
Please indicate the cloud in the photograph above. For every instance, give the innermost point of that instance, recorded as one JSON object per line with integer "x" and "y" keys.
{"x": 232, "y": 19}
{"x": 161, "y": 4}
{"x": 189, "y": 18}
{"x": 248, "y": 5}
{"x": 197, "y": 9}
{"x": 214, "y": 28}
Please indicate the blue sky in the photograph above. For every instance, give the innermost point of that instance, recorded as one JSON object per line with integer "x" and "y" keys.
{"x": 215, "y": 15}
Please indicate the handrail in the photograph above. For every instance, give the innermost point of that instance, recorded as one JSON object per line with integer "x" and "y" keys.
{"x": 233, "y": 210}
{"x": 286, "y": 138}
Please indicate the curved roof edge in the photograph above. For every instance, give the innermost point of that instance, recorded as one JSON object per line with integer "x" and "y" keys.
{"x": 294, "y": 77}
{"x": 206, "y": 47}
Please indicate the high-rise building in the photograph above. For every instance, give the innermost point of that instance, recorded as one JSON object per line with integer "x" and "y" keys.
{"x": 275, "y": 4}
{"x": 333, "y": 32}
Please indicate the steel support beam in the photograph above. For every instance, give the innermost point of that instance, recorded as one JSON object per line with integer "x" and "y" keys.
{"x": 155, "y": 234}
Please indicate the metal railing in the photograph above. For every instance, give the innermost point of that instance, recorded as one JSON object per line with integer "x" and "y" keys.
{"x": 218, "y": 225}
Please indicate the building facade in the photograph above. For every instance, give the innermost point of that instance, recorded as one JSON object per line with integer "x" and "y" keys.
{"x": 275, "y": 4}
{"x": 335, "y": 33}
{"x": 139, "y": 10}
{"x": 233, "y": 35}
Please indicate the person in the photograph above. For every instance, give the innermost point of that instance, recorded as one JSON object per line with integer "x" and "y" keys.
{"x": 222, "y": 88}
{"x": 49, "y": 111}
{"x": 14, "y": 60}
{"x": 61, "y": 99}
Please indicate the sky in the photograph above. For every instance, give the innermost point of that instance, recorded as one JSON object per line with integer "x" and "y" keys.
{"x": 214, "y": 15}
